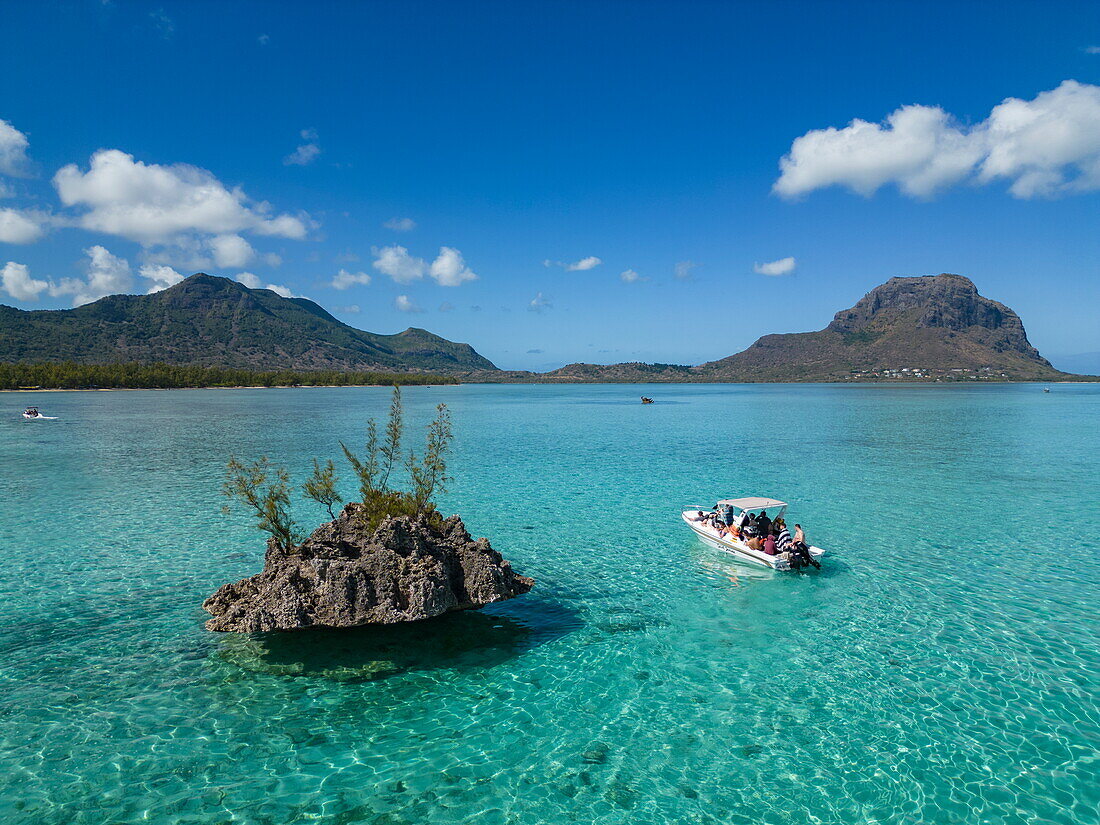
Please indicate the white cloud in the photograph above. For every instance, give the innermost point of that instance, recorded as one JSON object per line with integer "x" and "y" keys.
{"x": 16, "y": 280}
{"x": 154, "y": 204}
{"x": 449, "y": 269}
{"x": 281, "y": 290}
{"x": 307, "y": 152}
{"x": 231, "y": 251}
{"x": 539, "y": 303}
{"x": 107, "y": 275}
{"x": 190, "y": 252}
{"x": 271, "y": 259}
{"x": 303, "y": 155}
{"x": 353, "y": 309}
{"x": 13, "y": 151}
{"x": 584, "y": 264}
{"x": 405, "y": 304}
{"x": 17, "y": 226}
{"x": 252, "y": 281}
{"x": 784, "y": 266}
{"x": 1046, "y": 146}
{"x": 1092, "y": 49}
{"x": 918, "y": 149}
{"x": 161, "y": 276}
{"x": 263, "y": 39}
{"x": 400, "y": 224}
{"x": 591, "y": 262}
{"x": 629, "y": 276}
{"x": 345, "y": 279}
{"x": 682, "y": 270}
{"x": 396, "y": 262}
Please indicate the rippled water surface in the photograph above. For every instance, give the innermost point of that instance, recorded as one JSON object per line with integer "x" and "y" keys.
{"x": 942, "y": 668}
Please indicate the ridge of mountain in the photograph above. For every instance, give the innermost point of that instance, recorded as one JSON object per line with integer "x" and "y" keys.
{"x": 206, "y": 320}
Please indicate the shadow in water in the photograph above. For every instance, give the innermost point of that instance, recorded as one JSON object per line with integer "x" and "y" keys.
{"x": 464, "y": 640}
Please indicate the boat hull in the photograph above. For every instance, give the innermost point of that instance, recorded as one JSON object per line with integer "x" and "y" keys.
{"x": 738, "y": 548}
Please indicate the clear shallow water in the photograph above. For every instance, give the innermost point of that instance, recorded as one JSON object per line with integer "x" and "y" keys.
{"x": 941, "y": 668}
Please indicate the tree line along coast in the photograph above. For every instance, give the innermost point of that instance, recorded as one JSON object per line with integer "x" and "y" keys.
{"x": 136, "y": 376}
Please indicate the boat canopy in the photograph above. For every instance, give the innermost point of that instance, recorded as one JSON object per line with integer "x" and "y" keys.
{"x": 752, "y": 503}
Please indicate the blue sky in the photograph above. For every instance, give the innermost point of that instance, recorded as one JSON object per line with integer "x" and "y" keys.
{"x": 274, "y": 142}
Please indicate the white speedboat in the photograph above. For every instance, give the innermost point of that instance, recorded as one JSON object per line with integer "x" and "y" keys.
{"x": 703, "y": 525}
{"x": 32, "y": 412}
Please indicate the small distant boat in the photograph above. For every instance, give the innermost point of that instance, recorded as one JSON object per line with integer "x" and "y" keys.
{"x": 731, "y": 508}
{"x": 646, "y": 399}
{"x": 1046, "y": 389}
{"x": 32, "y": 412}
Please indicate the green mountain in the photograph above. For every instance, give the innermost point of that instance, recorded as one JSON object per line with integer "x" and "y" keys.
{"x": 211, "y": 321}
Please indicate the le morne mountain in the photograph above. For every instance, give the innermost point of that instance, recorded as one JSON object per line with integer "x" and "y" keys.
{"x": 924, "y": 328}
{"x": 216, "y": 322}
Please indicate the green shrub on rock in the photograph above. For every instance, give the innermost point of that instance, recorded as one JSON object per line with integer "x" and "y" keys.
{"x": 265, "y": 489}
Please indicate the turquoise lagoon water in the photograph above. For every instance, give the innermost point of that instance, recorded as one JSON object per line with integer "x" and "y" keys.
{"x": 942, "y": 668}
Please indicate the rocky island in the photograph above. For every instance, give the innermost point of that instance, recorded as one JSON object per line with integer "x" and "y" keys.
{"x": 344, "y": 575}
{"x": 389, "y": 558}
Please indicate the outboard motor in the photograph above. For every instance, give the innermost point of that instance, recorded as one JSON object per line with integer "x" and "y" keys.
{"x": 800, "y": 557}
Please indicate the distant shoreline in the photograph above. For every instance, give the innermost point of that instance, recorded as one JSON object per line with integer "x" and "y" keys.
{"x": 1085, "y": 380}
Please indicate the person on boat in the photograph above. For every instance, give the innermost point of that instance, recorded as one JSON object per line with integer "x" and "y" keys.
{"x": 799, "y": 540}
{"x": 763, "y": 523}
{"x": 783, "y": 539}
{"x": 769, "y": 544}
{"x": 800, "y": 551}
{"x": 755, "y": 543}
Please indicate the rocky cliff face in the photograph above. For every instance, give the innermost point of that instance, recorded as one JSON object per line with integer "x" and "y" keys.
{"x": 949, "y": 302}
{"x": 342, "y": 576}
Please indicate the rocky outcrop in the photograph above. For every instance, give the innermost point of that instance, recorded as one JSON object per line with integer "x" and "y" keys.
{"x": 344, "y": 576}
